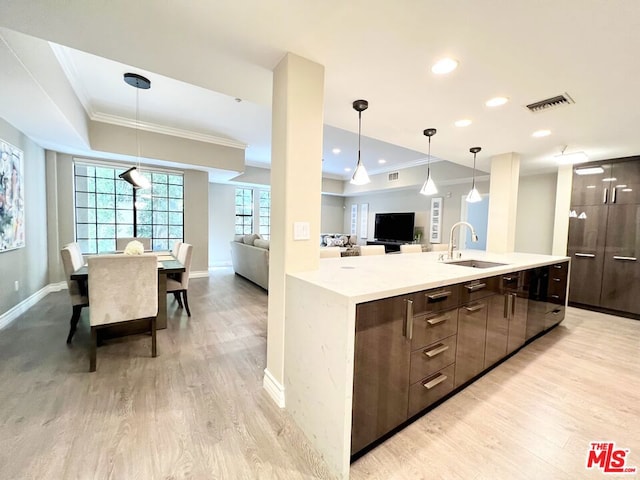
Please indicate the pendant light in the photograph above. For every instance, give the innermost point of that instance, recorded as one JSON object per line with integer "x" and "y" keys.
{"x": 360, "y": 176}
{"x": 429, "y": 187}
{"x": 474, "y": 195}
{"x": 133, "y": 175}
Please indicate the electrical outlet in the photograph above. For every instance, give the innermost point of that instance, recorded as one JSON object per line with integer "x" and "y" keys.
{"x": 16, "y": 285}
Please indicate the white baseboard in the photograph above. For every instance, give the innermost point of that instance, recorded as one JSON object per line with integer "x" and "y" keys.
{"x": 274, "y": 388}
{"x": 201, "y": 274}
{"x": 223, "y": 263}
{"x": 14, "y": 312}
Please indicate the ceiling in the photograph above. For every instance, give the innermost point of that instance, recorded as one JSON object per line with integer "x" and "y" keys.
{"x": 201, "y": 56}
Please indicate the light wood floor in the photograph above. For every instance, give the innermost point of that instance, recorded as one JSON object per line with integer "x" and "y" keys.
{"x": 198, "y": 410}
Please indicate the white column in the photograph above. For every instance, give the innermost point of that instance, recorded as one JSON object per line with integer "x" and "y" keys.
{"x": 563, "y": 205}
{"x": 296, "y": 181}
{"x": 503, "y": 203}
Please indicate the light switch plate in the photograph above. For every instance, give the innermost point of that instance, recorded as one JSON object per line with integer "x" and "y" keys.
{"x": 301, "y": 231}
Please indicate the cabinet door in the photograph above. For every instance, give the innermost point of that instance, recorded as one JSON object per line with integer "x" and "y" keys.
{"x": 381, "y": 370}
{"x": 625, "y": 189}
{"x": 621, "y": 279}
{"x": 590, "y": 189}
{"x": 472, "y": 328}
{"x": 517, "y": 323}
{"x": 497, "y": 328}
{"x": 537, "y": 306}
{"x": 586, "y": 249}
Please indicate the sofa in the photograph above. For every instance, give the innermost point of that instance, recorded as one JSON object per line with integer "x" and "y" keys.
{"x": 250, "y": 258}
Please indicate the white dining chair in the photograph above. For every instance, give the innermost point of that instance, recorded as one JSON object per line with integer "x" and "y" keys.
{"x": 372, "y": 250}
{"x": 72, "y": 260}
{"x": 176, "y": 248}
{"x": 330, "y": 252}
{"x": 122, "y": 289}
{"x": 179, "y": 283}
{"x": 411, "y": 248}
{"x": 122, "y": 242}
{"x": 439, "y": 247}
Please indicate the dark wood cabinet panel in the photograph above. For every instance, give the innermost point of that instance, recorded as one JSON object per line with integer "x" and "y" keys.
{"x": 428, "y": 390}
{"x": 436, "y": 299}
{"x": 428, "y": 360}
{"x": 381, "y": 370}
{"x": 431, "y": 327}
{"x": 621, "y": 272}
{"x": 497, "y": 328}
{"x": 472, "y": 328}
{"x": 477, "y": 289}
{"x": 625, "y": 189}
{"x": 517, "y": 323}
{"x": 590, "y": 189}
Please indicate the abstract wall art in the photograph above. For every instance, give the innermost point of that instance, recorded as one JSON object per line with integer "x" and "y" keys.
{"x": 11, "y": 197}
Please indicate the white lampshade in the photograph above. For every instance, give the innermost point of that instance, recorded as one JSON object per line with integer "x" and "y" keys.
{"x": 429, "y": 187}
{"x": 360, "y": 176}
{"x": 474, "y": 196}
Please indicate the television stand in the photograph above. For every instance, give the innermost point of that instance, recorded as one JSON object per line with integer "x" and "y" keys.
{"x": 389, "y": 245}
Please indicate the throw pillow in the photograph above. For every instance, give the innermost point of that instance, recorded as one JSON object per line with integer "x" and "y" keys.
{"x": 353, "y": 240}
{"x": 238, "y": 238}
{"x": 250, "y": 238}
{"x": 335, "y": 242}
{"x": 261, "y": 243}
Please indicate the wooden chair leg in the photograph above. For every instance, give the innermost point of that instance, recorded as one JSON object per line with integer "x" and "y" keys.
{"x": 73, "y": 324}
{"x": 176, "y": 295}
{"x": 154, "y": 351}
{"x": 93, "y": 347}
{"x": 186, "y": 302}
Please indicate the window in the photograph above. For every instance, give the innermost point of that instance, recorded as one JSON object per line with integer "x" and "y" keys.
{"x": 105, "y": 210}
{"x": 244, "y": 211}
{"x": 265, "y": 213}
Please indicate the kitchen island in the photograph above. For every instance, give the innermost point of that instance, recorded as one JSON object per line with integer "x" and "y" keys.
{"x": 324, "y": 306}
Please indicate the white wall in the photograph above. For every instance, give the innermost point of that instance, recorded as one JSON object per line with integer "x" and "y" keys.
{"x": 332, "y": 214}
{"x": 536, "y": 213}
{"x": 28, "y": 265}
{"x": 411, "y": 201}
{"x": 222, "y": 218}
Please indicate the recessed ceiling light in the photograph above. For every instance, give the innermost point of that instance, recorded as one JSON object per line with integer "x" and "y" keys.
{"x": 465, "y": 122}
{"x": 444, "y": 65}
{"x": 589, "y": 170}
{"x": 496, "y": 102}
{"x": 347, "y": 169}
{"x": 541, "y": 133}
{"x": 336, "y": 151}
{"x": 381, "y": 161}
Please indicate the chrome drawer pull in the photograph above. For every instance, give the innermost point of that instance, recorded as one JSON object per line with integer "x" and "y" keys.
{"x": 631, "y": 259}
{"x": 436, "y": 351}
{"x": 556, "y": 279}
{"x": 437, "y": 320}
{"x": 556, "y": 312}
{"x": 509, "y": 279}
{"x": 477, "y": 286}
{"x": 604, "y": 195}
{"x": 557, "y": 266}
{"x": 587, "y": 255}
{"x": 436, "y": 381}
{"x": 474, "y": 308}
{"x": 557, "y": 297}
{"x": 439, "y": 295}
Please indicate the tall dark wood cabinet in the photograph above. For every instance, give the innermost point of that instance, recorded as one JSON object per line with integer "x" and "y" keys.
{"x": 381, "y": 369}
{"x": 604, "y": 236}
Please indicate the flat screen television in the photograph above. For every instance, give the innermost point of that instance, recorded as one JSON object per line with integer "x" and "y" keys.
{"x": 394, "y": 227}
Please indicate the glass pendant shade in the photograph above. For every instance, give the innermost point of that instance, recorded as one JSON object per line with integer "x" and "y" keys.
{"x": 474, "y": 196}
{"x": 429, "y": 186}
{"x": 360, "y": 175}
{"x": 135, "y": 178}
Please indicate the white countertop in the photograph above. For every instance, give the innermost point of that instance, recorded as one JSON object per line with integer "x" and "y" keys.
{"x": 362, "y": 279}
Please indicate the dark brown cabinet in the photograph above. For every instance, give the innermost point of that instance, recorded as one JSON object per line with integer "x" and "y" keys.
{"x": 472, "y": 328}
{"x": 381, "y": 369}
{"x": 497, "y": 328}
{"x": 604, "y": 236}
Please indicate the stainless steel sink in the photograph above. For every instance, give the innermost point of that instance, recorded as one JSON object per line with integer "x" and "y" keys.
{"x": 475, "y": 263}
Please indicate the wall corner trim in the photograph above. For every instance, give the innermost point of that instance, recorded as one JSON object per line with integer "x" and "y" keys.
{"x": 274, "y": 388}
{"x": 199, "y": 274}
{"x": 14, "y": 312}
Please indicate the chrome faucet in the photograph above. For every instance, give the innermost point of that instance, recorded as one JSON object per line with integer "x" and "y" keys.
{"x": 474, "y": 237}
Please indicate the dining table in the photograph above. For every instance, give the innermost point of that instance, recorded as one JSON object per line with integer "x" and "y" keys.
{"x": 167, "y": 265}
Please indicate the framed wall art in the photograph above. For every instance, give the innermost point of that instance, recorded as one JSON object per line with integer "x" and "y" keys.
{"x": 436, "y": 220}
{"x": 11, "y": 197}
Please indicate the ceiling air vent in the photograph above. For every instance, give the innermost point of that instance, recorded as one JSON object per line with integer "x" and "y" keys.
{"x": 393, "y": 176}
{"x": 549, "y": 103}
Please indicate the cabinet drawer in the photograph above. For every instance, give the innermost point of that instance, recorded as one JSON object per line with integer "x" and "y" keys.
{"x": 432, "y": 327}
{"x": 477, "y": 289}
{"x": 436, "y": 299}
{"x": 556, "y": 315}
{"x": 428, "y": 390}
{"x": 428, "y": 360}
